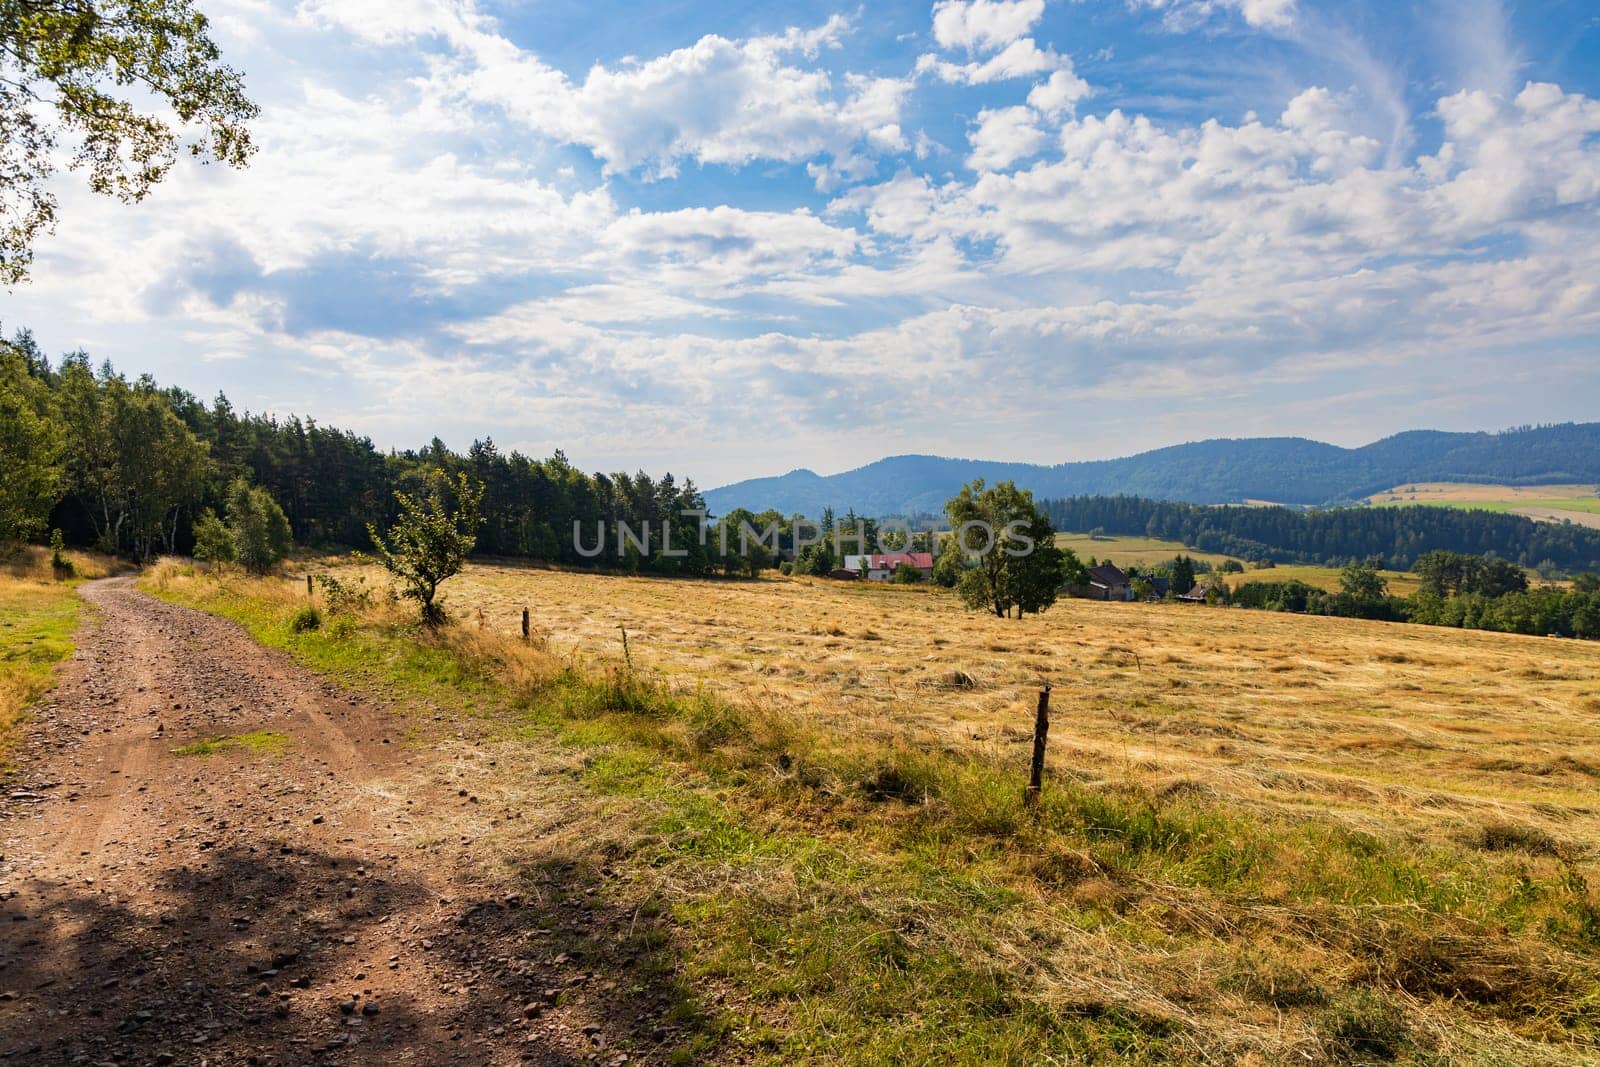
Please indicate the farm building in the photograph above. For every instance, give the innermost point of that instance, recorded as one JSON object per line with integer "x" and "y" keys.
{"x": 879, "y": 567}
{"x": 1108, "y": 582}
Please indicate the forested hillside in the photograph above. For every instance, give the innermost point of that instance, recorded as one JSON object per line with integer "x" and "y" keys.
{"x": 1399, "y": 535}
{"x": 1285, "y": 470}
{"x": 128, "y": 466}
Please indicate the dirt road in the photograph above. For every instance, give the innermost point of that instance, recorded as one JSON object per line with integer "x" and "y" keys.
{"x": 265, "y": 903}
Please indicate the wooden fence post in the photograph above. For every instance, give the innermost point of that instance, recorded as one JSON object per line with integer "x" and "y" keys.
{"x": 524, "y": 624}
{"x": 1041, "y": 737}
{"x": 308, "y": 586}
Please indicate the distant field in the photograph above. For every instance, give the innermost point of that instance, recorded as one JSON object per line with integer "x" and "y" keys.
{"x": 1547, "y": 503}
{"x": 1125, "y": 551}
{"x": 1401, "y": 583}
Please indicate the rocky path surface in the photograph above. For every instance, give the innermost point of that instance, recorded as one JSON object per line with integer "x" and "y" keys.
{"x": 265, "y": 904}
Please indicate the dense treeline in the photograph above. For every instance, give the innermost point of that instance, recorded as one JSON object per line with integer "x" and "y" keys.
{"x": 130, "y": 467}
{"x": 1398, "y": 535}
{"x": 1470, "y": 592}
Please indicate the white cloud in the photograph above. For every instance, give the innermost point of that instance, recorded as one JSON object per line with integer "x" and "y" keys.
{"x": 717, "y": 101}
{"x": 1003, "y": 136}
{"x": 420, "y": 236}
{"x": 1019, "y": 59}
{"x": 1059, "y": 93}
{"x": 983, "y": 24}
{"x": 1265, "y": 14}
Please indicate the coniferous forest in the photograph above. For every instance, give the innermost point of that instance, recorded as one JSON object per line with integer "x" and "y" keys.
{"x": 129, "y": 466}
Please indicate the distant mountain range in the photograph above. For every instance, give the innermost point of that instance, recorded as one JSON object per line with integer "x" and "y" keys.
{"x": 1285, "y": 470}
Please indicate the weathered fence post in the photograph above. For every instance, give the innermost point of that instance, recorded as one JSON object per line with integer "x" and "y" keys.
{"x": 524, "y": 624}
{"x": 308, "y": 586}
{"x": 1041, "y": 737}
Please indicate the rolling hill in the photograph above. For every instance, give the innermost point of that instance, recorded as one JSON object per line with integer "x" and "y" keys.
{"x": 1285, "y": 470}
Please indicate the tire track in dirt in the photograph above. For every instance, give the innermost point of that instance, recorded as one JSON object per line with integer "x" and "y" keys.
{"x": 255, "y": 906}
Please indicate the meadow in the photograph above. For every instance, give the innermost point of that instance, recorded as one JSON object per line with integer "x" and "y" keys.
{"x": 1149, "y": 551}
{"x": 1263, "y": 838}
{"x": 1549, "y": 503}
{"x": 1388, "y": 724}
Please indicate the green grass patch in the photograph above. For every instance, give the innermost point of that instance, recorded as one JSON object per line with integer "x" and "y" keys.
{"x": 259, "y": 743}
{"x": 37, "y": 623}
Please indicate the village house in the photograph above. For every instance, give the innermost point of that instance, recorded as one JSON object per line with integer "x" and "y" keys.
{"x": 1108, "y": 582}
{"x": 880, "y": 567}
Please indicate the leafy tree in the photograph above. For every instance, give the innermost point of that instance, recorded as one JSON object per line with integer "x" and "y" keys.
{"x": 949, "y": 567}
{"x": 1362, "y": 582}
{"x": 906, "y": 574}
{"x": 1446, "y": 574}
{"x": 134, "y": 466}
{"x": 257, "y": 528}
{"x": 84, "y": 68}
{"x": 1074, "y": 572}
{"x": 213, "y": 541}
{"x": 1182, "y": 575}
{"x": 31, "y": 448}
{"x": 1019, "y": 567}
{"x": 743, "y": 557}
{"x": 59, "y": 563}
{"x": 432, "y": 538}
{"x": 816, "y": 560}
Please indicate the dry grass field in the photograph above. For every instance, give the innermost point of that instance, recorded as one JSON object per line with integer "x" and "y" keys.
{"x": 1128, "y": 551}
{"x": 1433, "y": 729}
{"x": 1479, "y": 493}
{"x": 1401, "y": 583}
{"x": 1263, "y": 838}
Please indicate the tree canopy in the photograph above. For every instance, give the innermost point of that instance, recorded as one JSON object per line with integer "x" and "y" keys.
{"x": 103, "y": 73}
{"x": 432, "y": 538}
{"x": 1012, "y": 544}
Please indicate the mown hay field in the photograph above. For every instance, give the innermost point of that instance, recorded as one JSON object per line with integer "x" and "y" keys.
{"x": 1384, "y": 726}
{"x": 1546, "y": 503}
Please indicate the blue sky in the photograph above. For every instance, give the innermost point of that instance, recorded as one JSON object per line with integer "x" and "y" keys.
{"x": 731, "y": 239}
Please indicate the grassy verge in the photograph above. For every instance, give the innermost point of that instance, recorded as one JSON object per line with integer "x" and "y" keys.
{"x": 844, "y": 901}
{"x": 38, "y": 616}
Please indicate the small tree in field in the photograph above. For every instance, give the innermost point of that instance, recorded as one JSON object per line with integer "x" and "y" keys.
{"x": 432, "y": 539}
{"x": 213, "y": 541}
{"x": 257, "y": 527}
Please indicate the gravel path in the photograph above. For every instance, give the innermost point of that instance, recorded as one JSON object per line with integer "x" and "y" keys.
{"x": 255, "y": 906}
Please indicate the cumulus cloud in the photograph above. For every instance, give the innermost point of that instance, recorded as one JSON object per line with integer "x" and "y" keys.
{"x": 426, "y": 235}
{"x": 1003, "y": 136}
{"x": 717, "y": 101}
{"x": 983, "y": 24}
{"x": 1059, "y": 93}
{"x": 1019, "y": 59}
